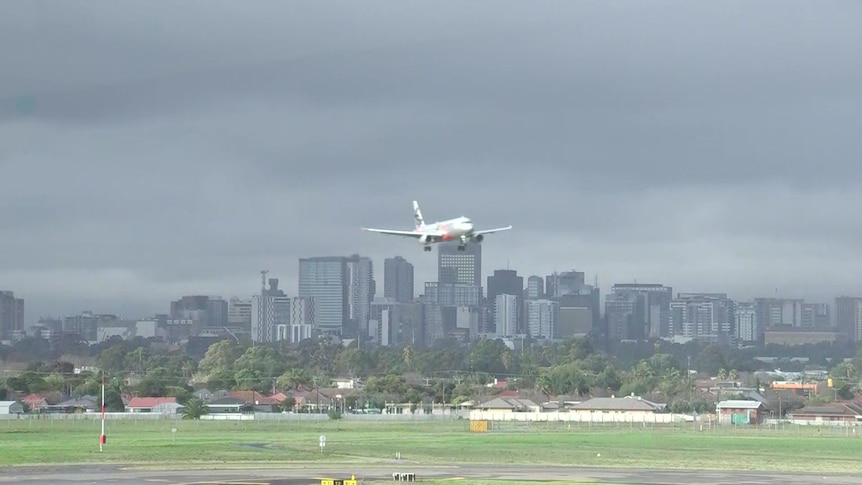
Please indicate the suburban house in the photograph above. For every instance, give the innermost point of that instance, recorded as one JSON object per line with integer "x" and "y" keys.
{"x": 311, "y": 401}
{"x": 739, "y": 412}
{"x": 509, "y": 405}
{"x": 229, "y": 405}
{"x": 259, "y": 402}
{"x": 34, "y": 402}
{"x": 161, "y": 405}
{"x": 631, "y": 405}
{"x": 839, "y": 414}
{"x": 11, "y": 407}
{"x": 83, "y": 404}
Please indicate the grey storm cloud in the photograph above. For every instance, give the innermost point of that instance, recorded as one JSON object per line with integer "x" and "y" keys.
{"x": 153, "y": 149}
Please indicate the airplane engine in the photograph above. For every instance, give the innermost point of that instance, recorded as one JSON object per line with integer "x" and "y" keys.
{"x": 477, "y": 238}
{"x": 425, "y": 240}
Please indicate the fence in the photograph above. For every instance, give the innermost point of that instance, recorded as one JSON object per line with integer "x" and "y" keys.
{"x": 399, "y": 417}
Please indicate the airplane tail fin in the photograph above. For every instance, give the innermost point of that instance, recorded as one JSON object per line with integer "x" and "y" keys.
{"x": 417, "y": 215}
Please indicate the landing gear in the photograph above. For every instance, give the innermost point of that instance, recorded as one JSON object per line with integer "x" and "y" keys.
{"x": 427, "y": 248}
{"x": 463, "y": 244}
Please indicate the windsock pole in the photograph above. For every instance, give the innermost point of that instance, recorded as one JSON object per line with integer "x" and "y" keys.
{"x": 102, "y": 436}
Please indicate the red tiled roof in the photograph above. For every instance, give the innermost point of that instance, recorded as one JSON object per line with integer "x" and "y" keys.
{"x": 150, "y": 402}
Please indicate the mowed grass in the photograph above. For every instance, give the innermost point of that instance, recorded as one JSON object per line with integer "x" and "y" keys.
{"x": 291, "y": 442}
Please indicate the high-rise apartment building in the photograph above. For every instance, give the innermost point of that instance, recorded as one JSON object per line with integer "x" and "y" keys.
{"x": 398, "y": 280}
{"x": 506, "y": 315}
{"x": 705, "y": 317}
{"x": 542, "y": 316}
{"x": 745, "y": 314}
{"x": 270, "y": 314}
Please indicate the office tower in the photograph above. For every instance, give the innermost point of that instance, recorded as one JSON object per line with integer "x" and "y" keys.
{"x": 208, "y": 311}
{"x": 464, "y": 267}
{"x": 535, "y": 288}
{"x": 342, "y": 289}
{"x": 239, "y": 313}
{"x": 325, "y": 279}
{"x": 575, "y": 316}
{"x": 565, "y": 283}
{"x": 11, "y": 316}
{"x": 507, "y": 281}
{"x": 656, "y": 303}
{"x": 625, "y": 316}
{"x": 848, "y": 317}
{"x": 778, "y": 312}
{"x": 398, "y": 280}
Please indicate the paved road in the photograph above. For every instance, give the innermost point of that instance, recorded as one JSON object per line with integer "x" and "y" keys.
{"x": 80, "y": 475}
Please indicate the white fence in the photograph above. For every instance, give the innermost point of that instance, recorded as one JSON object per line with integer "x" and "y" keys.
{"x": 586, "y": 417}
{"x": 235, "y": 417}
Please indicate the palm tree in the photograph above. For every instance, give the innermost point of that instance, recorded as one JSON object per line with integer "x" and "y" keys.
{"x": 194, "y": 409}
{"x": 407, "y": 355}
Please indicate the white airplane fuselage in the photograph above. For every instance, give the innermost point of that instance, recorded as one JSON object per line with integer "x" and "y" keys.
{"x": 459, "y": 229}
{"x": 451, "y": 229}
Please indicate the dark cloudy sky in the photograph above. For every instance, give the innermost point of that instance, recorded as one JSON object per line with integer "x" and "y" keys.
{"x": 150, "y": 149}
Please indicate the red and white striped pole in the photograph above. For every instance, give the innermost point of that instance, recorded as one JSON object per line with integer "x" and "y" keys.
{"x": 102, "y": 438}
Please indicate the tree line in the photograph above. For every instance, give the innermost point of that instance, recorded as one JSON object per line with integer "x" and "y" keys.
{"x": 444, "y": 373}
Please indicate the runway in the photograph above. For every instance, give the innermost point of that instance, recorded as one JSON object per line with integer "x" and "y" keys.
{"x": 110, "y": 474}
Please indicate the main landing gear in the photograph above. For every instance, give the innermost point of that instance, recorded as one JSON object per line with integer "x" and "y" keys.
{"x": 427, "y": 248}
{"x": 462, "y": 247}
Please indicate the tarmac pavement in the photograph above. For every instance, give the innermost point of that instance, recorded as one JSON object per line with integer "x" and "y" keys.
{"x": 111, "y": 474}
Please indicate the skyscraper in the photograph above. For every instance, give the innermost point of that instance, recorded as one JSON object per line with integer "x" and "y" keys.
{"x": 507, "y": 281}
{"x": 455, "y": 266}
{"x": 325, "y": 279}
{"x": 360, "y": 293}
{"x": 398, "y": 280}
{"x": 342, "y": 289}
{"x": 11, "y": 315}
{"x": 535, "y": 288}
{"x": 506, "y": 315}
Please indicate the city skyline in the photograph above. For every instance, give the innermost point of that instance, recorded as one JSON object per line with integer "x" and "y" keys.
{"x": 172, "y": 160}
{"x": 290, "y": 285}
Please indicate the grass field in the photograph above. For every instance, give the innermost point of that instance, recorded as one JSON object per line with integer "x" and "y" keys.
{"x": 257, "y": 443}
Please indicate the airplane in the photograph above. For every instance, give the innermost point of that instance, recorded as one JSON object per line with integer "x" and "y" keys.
{"x": 459, "y": 228}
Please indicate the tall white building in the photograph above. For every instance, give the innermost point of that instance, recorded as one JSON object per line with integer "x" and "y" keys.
{"x": 361, "y": 289}
{"x": 746, "y": 322}
{"x": 506, "y": 315}
{"x": 542, "y": 318}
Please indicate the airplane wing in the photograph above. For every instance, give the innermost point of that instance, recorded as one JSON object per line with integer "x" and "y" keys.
{"x": 490, "y": 231}
{"x": 391, "y": 232}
